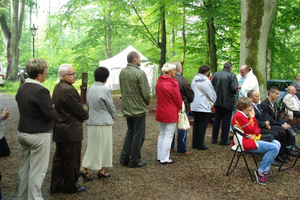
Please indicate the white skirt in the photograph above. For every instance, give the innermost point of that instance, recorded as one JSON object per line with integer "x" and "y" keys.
{"x": 99, "y": 152}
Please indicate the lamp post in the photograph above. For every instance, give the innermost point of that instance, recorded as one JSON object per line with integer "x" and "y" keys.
{"x": 33, "y": 33}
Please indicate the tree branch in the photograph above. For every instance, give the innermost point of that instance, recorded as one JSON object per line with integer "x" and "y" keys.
{"x": 151, "y": 36}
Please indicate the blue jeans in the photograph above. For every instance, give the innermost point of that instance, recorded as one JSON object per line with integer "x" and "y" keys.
{"x": 271, "y": 150}
{"x": 181, "y": 139}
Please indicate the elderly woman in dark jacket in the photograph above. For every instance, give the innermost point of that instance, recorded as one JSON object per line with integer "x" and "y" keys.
{"x": 34, "y": 129}
{"x": 168, "y": 104}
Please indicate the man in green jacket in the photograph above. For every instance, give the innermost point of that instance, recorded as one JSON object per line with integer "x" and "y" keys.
{"x": 135, "y": 97}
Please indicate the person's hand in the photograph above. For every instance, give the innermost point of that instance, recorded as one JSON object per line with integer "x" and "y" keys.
{"x": 250, "y": 136}
{"x": 286, "y": 126}
{"x": 252, "y": 113}
{"x": 239, "y": 87}
{"x": 5, "y": 114}
{"x": 269, "y": 127}
{"x": 267, "y": 123}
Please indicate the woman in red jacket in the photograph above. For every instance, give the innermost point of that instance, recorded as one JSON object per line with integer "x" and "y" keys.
{"x": 167, "y": 107}
{"x": 244, "y": 119}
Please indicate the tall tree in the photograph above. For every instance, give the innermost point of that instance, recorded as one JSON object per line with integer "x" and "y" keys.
{"x": 256, "y": 19}
{"x": 211, "y": 36}
{"x": 12, "y": 35}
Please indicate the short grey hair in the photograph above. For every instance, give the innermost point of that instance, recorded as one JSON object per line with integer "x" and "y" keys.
{"x": 178, "y": 65}
{"x": 168, "y": 67}
{"x": 290, "y": 88}
{"x": 63, "y": 69}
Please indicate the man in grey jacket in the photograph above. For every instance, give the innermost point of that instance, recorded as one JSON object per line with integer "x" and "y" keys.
{"x": 135, "y": 97}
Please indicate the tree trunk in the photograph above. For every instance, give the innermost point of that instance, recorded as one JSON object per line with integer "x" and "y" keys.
{"x": 183, "y": 38}
{"x": 256, "y": 19}
{"x": 211, "y": 40}
{"x": 172, "y": 44}
{"x": 163, "y": 43}
{"x": 269, "y": 62}
{"x": 108, "y": 35}
{"x": 11, "y": 38}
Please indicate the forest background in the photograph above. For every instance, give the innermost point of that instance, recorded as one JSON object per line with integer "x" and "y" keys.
{"x": 83, "y": 32}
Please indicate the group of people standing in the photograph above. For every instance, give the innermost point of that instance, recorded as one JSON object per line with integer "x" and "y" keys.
{"x": 64, "y": 114}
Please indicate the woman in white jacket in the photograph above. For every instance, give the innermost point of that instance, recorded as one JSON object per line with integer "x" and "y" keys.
{"x": 203, "y": 90}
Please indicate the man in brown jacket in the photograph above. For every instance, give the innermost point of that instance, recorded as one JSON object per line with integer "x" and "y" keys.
{"x": 67, "y": 133}
{"x": 187, "y": 95}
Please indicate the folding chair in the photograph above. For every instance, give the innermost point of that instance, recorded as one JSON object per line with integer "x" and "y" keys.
{"x": 293, "y": 131}
{"x": 284, "y": 109}
{"x": 240, "y": 152}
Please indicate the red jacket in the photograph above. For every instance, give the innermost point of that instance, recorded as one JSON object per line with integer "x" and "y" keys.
{"x": 168, "y": 99}
{"x": 249, "y": 126}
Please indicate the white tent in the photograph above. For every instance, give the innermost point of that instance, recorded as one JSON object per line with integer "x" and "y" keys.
{"x": 118, "y": 62}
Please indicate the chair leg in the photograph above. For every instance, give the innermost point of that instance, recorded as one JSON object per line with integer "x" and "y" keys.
{"x": 237, "y": 155}
{"x": 249, "y": 168}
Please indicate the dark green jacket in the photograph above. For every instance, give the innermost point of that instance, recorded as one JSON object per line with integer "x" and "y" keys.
{"x": 135, "y": 91}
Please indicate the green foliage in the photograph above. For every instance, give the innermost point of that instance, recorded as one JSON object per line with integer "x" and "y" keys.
{"x": 79, "y": 32}
{"x": 283, "y": 42}
{"x": 11, "y": 87}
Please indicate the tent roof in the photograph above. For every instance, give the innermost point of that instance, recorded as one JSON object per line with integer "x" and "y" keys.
{"x": 120, "y": 60}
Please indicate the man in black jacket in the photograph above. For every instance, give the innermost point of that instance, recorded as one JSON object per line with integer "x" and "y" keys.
{"x": 271, "y": 111}
{"x": 226, "y": 85}
{"x": 264, "y": 123}
{"x": 187, "y": 95}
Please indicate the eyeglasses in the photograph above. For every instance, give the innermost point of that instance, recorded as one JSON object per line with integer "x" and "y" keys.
{"x": 45, "y": 74}
{"x": 71, "y": 74}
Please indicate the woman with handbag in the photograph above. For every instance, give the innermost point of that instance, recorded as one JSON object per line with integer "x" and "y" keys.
{"x": 205, "y": 96}
{"x": 167, "y": 107}
{"x": 244, "y": 119}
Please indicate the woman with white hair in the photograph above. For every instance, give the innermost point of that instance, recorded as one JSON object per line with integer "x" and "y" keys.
{"x": 167, "y": 107}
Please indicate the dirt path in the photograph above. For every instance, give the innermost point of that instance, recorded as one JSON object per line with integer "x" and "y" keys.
{"x": 199, "y": 176}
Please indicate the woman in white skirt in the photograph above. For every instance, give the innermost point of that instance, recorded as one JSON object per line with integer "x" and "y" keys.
{"x": 99, "y": 153}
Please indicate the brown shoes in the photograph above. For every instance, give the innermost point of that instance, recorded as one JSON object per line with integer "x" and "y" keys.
{"x": 185, "y": 153}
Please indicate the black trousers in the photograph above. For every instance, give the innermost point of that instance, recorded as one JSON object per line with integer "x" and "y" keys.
{"x": 221, "y": 115}
{"x": 134, "y": 139}
{"x": 296, "y": 114}
{"x": 283, "y": 137}
{"x": 4, "y": 148}
{"x": 199, "y": 129}
{"x": 65, "y": 170}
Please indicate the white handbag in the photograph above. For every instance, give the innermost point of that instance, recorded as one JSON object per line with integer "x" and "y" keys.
{"x": 183, "y": 122}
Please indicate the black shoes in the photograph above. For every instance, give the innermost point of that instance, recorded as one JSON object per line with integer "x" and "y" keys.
{"x": 214, "y": 141}
{"x": 168, "y": 162}
{"x": 293, "y": 154}
{"x": 225, "y": 143}
{"x": 139, "y": 164}
{"x": 275, "y": 163}
{"x": 203, "y": 148}
{"x": 124, "y": 163}
{"x": 280, "y": 159}
{"x": 85, "y": 176}
{"x": 105, "y": 175}
{"x": 81, "y": 189}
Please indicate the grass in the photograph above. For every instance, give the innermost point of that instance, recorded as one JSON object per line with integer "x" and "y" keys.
{"x": 11, "y": 87}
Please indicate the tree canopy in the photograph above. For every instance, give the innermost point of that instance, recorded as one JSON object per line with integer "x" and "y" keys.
{"x": 84, "y": 32}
